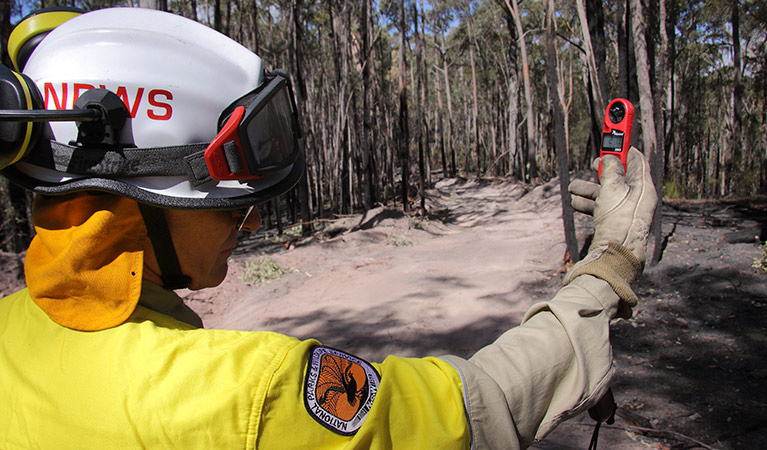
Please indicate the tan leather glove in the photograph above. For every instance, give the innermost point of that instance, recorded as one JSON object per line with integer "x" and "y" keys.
{"x": 623, "y": 208}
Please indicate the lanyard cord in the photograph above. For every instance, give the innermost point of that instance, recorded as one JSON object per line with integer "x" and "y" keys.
{"x": 603, "y": 411}
{"x": 594, "y": 437}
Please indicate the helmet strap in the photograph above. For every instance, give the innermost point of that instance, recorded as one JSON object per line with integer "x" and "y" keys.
{"x": 165, "y": 252}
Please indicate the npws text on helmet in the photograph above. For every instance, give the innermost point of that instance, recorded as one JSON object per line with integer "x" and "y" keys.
{"x": 159, "y": 107}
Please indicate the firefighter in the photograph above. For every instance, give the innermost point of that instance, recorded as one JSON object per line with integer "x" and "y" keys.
{"x": 161, "y": 137}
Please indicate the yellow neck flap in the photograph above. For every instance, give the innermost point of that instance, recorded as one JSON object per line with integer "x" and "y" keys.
{"x": 84, "y": 266}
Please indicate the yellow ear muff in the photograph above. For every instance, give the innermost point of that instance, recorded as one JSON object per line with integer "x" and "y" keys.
{"x": 29, "y": 125}
{"x": 17, "y": 92}
{"x": 32, "y": 29}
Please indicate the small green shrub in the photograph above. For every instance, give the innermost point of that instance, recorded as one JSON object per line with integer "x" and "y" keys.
{"x": 761, "y": 263}
{"x": 399, "y": 241}
{"x": 287, "y": 234}
{"x": 294, "y": 231}
{"x": 262, "y": 270}
{"x": 672, "y": 188}
{"x": 419, "y": 223}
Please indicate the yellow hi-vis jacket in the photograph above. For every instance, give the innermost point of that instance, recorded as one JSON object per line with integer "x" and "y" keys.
{"x": 155, "y": 382}
{"x": 144, "y": 377}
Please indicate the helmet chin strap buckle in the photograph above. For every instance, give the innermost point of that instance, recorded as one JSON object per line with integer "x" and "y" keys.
{"x": 106, "y": 131}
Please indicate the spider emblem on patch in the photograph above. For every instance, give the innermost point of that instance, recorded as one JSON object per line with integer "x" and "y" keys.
{"x": 339, "y": 389}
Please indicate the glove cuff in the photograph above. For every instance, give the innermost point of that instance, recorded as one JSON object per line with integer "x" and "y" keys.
{"x": 614, "y": 264}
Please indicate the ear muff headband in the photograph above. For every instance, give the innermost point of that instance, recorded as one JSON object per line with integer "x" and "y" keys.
{"x": 28, "y": 134}
{"x": 38, "y": 24}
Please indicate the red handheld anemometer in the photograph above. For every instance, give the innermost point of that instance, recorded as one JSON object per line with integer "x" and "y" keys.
{"x": 616, "y": 131}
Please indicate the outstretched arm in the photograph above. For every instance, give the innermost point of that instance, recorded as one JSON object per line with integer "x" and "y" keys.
{"x": 558, "y": 363}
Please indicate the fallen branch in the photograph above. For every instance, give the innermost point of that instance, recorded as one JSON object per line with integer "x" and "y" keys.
{"x": 742, "y": 237}
{"x": 652, "y": 431}
{"x": 672, "y": 434}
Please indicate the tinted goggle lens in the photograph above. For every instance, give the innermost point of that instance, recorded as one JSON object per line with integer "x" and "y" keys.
{"x": 269, "y": 131}
{"x": 258, "y": 134}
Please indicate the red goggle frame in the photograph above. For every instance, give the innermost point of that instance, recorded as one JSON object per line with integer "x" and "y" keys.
{"x": 258, "y": 133}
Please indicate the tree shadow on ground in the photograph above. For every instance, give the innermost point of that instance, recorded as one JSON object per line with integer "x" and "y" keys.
{"x": 380, "y": 331}
{"x": 692, "y": 360}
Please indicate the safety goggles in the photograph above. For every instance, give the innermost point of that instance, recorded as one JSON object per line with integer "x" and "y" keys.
{"x": 258, "y": 133}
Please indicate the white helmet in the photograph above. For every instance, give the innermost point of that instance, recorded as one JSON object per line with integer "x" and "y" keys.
{"x": 200, "y": 124}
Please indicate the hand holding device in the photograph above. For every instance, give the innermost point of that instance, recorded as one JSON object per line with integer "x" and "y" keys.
{"x": 622, "y": 204}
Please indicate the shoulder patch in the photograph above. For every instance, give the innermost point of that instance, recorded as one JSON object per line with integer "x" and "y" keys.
{"x": 339, "y": 389}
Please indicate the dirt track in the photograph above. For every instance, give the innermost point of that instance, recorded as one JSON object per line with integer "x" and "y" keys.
{"x": 386, "y": 283}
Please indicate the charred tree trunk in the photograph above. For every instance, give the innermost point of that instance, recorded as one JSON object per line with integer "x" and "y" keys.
{"x": 217, "y": 15}
{"x": 253, "y": 29}
{"x": 531, "y": 149}
{"x": 646, "y": 103}
{"x": 566, "y": 100}
{"x": 16, "y": 230}
{"x": 623, "y": 49}
{"x": 419, "y": 112}
{"x": 346, "y": 194}
{"x": 227, "y": 27}
{"x": 425, "y": 98}
{"x": 404, "y": 141}
{"x": 367, "y": 141}
{"x": 298, "y": 45}
{"x": 733, "y": 163}
{"x": 475, "y": 101}
{"x": 440, "y": 124}
{"x": 552, "y": 77}
{"x": 5, "y": 31}
{"x": 513, "y": 101}
{"x": 298, "y": 53}
{"x": 277, "y": 202}
{"x": 596, "y": 25}
{"x": 449, "y": 98}
{"x": 659, "y": 163}
{"x": 669, "y": 146}
{"x": 627, "y": 75}
{"x": 597, "y": 90}
{"x": 160, "y": 5}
